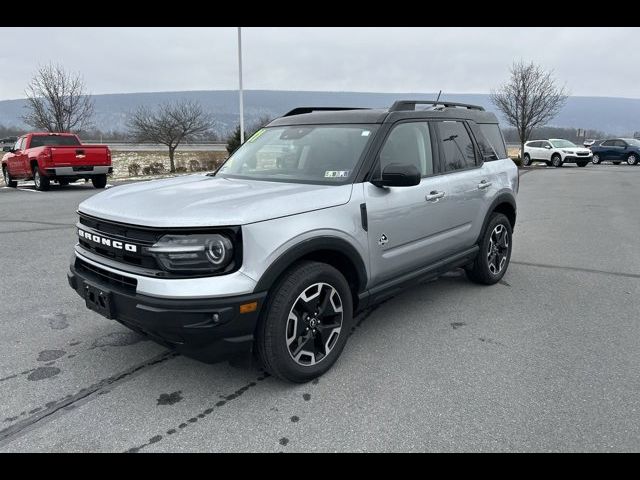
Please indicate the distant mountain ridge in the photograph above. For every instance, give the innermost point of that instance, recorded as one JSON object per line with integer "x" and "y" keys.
{"x": 612, "y": 115}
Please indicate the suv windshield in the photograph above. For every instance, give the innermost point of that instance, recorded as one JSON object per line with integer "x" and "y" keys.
{"x": 53, "y": 140}
{"x": 326, "y": 154}
{"x": 563, "y": 144}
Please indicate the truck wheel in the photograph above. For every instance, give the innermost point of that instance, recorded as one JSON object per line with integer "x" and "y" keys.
{"x": 582, "y": 164}
{"x": 556, "y": 160}
{"x": 99, "y": 181}
{"x": 596, "y": 159}
{"x": 632, "y": 159}
{"x": 305, "y": 323}
{"x": 527, "y": 160}
{"x": 7, "y": 178}
{"x": 42, "y": 181}
{"x": 495, "y": 252}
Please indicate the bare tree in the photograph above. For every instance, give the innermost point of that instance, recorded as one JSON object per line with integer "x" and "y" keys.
{"x": 529, "y": 99}
{"x": 170, "y": 124}
{"x": 57, "y": 101}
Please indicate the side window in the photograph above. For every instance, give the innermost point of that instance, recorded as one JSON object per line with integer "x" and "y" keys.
{"x": 607, "y": 143}
{"x": 409, "y": 144}
{"x": 620, "y": 143}
{"x": 456, "y": 147}
{"x": 536, "y": 144}
{"x": 494, "y": 137}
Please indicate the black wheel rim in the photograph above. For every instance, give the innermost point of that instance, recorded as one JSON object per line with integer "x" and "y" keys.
{"x": 314, "y": 324}
{"x": 498, "y": 250}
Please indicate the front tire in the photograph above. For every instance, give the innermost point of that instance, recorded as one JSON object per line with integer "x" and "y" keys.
{"x": 632, "y": 159}
{"x": 8, "y": 181}
{"x": 305, "y": 323}
{"x": 495, "y": 252}
{"x": 42, "y": 181}
{"x": 99, "y": 181}
{"x": 527, "y": 160}
{"x": 556, "y": 161}
{"x": 596, "y": 159}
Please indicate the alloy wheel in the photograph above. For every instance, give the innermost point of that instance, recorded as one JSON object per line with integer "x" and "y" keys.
{"x": 596, "y": 159}
{"x": 314, "y": 324}
{"x": 632, "y": 159}
{"x": 498, "y": 249}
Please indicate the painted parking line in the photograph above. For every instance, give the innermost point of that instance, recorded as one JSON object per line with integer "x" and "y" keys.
{"x": 28, "y": 190}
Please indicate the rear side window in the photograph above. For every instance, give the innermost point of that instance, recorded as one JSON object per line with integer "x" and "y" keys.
{"x": 52, "y": 140}
{"x": 620, "y": 143}
{"x": 493, "y": 135}
{"x": 456, "y": 148}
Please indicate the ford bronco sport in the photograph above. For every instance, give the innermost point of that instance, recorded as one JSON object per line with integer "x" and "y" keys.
{"x": 320, "y": 214}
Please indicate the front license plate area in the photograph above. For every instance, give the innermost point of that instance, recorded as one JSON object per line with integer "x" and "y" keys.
{"x": 98, "y": 300}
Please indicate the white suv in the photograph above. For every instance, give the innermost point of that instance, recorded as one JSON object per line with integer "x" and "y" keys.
{"x": 555, "y": 152}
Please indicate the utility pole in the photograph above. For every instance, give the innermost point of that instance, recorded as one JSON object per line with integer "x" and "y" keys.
{"x": 240, "y": 89}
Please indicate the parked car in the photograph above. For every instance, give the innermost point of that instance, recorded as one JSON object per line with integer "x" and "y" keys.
{"x": 617, "y": 150}
{"x": 277, "y": 256}
{"x": 555, "y": 152}
{"x": 59, "y": 157}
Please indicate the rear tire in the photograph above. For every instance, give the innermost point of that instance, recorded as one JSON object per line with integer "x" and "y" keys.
{"x": 495, "y": 252}
{"x": 556, "y": 160}
{"x": 582, "y": 164}
{"x": 42, "y": 181}
{"x": 99, "y": 181}
{"x": 632, "y": 159}
{"x": 8, "y": 181}
{"x": 306, "y": 321}
{"x": 527, "y": 160}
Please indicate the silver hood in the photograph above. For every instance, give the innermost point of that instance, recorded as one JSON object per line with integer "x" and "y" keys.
{"x": 200, "y": 200}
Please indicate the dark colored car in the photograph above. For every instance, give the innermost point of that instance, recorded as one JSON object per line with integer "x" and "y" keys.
{"x": 617, "y": 150}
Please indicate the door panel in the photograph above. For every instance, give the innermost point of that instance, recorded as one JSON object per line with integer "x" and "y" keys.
{"x": 406, "y": 230}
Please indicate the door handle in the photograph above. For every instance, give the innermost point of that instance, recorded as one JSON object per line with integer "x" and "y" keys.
{"x": 484, "y": 184}
{"x": 434, "y": 196}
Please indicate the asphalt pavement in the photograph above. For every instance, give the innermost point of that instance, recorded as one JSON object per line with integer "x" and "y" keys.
{"x": 546, "y": 360}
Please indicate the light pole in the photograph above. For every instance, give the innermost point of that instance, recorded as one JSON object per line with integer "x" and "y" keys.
{"x": 240, "y": 78}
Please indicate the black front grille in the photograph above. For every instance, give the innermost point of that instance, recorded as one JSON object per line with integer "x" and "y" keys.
{"x": 583, "y": 154}
{"x": 105, "y": 276}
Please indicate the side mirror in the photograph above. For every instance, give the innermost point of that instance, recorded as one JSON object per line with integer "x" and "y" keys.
{"x": 548, "y": 147}
{"x": 396, "y": 175}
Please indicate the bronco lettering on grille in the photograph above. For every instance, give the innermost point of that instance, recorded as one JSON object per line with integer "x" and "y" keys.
{"x": 107, "y": 242}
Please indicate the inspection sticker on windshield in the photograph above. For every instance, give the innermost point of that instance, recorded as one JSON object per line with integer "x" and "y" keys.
{"x": 336, "y": 173}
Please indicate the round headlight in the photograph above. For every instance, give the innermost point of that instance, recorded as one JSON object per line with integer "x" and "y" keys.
{"x": 218, "y": 250}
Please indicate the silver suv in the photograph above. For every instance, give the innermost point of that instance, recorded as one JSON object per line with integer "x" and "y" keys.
{"x": 320, "y": 214}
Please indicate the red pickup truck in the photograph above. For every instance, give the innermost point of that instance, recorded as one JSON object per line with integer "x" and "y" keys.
{"x": 59, "y": 157}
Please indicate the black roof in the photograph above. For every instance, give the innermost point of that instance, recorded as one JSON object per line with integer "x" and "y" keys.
{"x": 399, "y": 110}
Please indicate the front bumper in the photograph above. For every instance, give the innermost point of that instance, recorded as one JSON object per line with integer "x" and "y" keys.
{"x": 209, "y": 329}
{"x": 577, "y": 158}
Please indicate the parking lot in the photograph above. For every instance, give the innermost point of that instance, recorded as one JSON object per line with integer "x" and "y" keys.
{"x": 546, "y": 360}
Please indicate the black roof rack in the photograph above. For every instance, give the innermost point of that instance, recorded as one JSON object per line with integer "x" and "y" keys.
{"x": 411, "y": 105}
{"x": 301, "y": 110}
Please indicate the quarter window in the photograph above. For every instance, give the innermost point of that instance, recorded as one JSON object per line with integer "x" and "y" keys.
{"x": 456, "y": 147}
{"x": 409, "y": 144}
{"x": 493, "y": 135}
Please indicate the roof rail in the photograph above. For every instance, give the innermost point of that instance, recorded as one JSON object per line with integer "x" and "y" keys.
{"x": 301, "y": 110}
{"x": 411, "y": 105}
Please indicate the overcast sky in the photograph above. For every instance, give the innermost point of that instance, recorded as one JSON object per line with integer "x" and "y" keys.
{"x": 591, "y": 61}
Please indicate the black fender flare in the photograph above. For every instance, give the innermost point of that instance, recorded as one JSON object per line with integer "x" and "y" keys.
{"x": 305, "y": 247}
{"x": 504, "y": 197}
